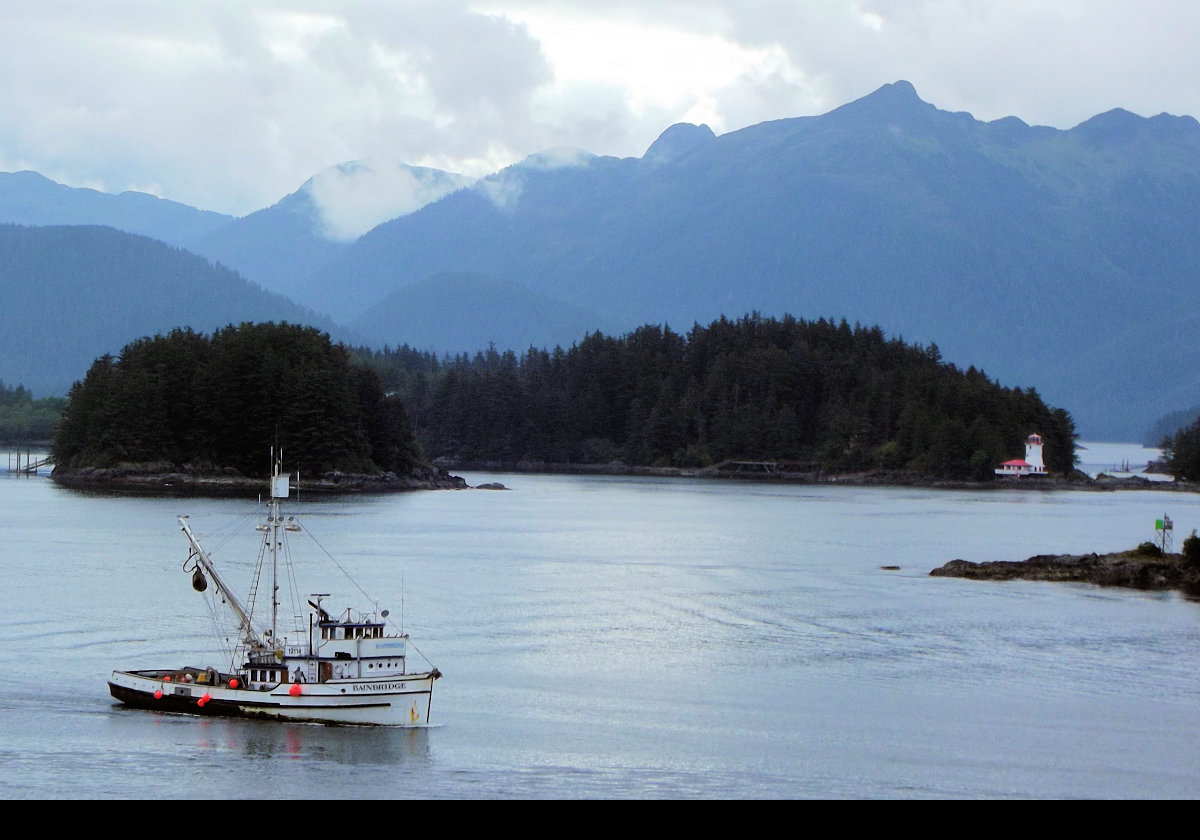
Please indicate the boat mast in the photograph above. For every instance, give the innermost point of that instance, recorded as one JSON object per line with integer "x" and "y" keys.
{"x": 280, "y": 489}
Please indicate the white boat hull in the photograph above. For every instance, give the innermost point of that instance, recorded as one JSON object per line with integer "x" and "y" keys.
{"x": 398, "y": 700}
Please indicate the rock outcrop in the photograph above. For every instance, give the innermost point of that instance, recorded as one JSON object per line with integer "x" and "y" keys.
{"x": 1137, "y": 569}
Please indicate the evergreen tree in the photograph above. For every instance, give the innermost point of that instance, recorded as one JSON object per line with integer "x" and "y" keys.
{"x": 835, "y": 396}
{"x": 225, "y": 401}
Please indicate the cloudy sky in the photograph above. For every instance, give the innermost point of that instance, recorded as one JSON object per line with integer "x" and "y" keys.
{"x": 229, "y": 105}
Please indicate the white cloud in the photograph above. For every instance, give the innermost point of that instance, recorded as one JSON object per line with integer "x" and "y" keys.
{"x": 230, "y": 105}
{"x": 356, "y": 197}
{"x": 560, "y": 158}
{"x": 503, "y": 189}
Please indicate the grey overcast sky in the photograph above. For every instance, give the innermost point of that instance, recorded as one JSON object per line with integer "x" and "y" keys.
{"x": 229, "y": 105}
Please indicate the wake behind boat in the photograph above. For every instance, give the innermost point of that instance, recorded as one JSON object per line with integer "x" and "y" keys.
{"x": 343, "y": 670}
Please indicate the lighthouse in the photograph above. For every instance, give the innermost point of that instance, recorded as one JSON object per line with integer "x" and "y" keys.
{"x": 1032, "y": 463}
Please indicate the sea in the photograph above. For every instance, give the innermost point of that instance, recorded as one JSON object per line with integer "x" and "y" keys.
{"x": 628, "y": 638}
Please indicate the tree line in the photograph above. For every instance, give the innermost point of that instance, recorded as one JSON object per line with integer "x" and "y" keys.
{"x": 222, "y": 401}
{"x": 1181, "y": 451}
{"x": 26, "y": 420}
{"x": 827, "y": 394}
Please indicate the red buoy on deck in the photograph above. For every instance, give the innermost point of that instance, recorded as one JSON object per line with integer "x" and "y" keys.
{"x": 294, "y": 690}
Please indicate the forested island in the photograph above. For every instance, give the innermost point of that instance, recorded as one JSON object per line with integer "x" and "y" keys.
{"x": 185, "y": 408}
{"x": 816, "y": 398}
{"x": 822, "y": 396}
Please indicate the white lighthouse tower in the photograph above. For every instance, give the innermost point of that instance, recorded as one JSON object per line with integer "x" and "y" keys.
{"x": 1032, "y": 463}
{"x": 1033, "y": 454}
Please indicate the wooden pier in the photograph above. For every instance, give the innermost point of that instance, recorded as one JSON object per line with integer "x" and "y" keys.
{"x": 763, "y": 469}
{"x": 26, "y": 463}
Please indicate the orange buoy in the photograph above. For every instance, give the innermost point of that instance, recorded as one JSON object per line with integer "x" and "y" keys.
{"x": 167, "y": 678}
{"x": 233, "y": 682}
{"x": 158, "y": 694}
{"x": 294, "y": 690}
{"x": 205, "y": 698}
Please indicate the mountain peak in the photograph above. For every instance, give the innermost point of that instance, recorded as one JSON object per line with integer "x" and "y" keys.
{"x": 677, "y": 141}
{"x": 897, "y": 106}
{"x": 898, "y": 94}
{"x": 899, "y": 89}
{"x": 1121, "y": 126}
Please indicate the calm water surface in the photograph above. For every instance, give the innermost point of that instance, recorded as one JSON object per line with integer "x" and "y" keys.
{"x": 628, "y": 638}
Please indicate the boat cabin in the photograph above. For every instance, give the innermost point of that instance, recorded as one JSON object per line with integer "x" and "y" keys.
{"x": 349, "y": 649}
{"x": 264, "y": 677}
{"x": 331, "y": 631}
{"x": 336, "y": 649}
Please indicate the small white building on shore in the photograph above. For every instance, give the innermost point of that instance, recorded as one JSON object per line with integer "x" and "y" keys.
{"x": 1032, "y": 464}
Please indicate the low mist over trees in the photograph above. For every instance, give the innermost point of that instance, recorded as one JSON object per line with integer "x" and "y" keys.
{"x": 835, "y": 396}
{"x": 188, "y": 399}
{"x": 26, "y": 420}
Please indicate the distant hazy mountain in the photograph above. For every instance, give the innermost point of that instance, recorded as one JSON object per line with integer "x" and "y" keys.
{"x": 442, "y": 314}
{"x": 279, "y": 246}
{"x": 1065, "y": 260}
{"x": 28, "y": 198}
{"x": 275, "y": 247}
{"x": 72, "y": 294}
{"x": 1170, "y": 425}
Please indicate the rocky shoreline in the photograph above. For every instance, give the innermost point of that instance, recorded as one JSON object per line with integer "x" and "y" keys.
{"x": 167, "y": 478}
{"x": 207, "y": 480}
{"x": 873, "y": 478}
{"x": 1136, "y": 569}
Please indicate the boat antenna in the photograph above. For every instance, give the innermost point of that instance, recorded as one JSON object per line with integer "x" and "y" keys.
{"x": 279, "y": 490}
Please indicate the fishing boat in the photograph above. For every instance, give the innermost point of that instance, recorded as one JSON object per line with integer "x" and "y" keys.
{"x": 339, "y": 669}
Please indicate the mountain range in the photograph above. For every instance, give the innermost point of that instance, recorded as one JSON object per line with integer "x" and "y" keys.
{"x": 1064, "y": 260}
{"x": 74, "y": 293}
